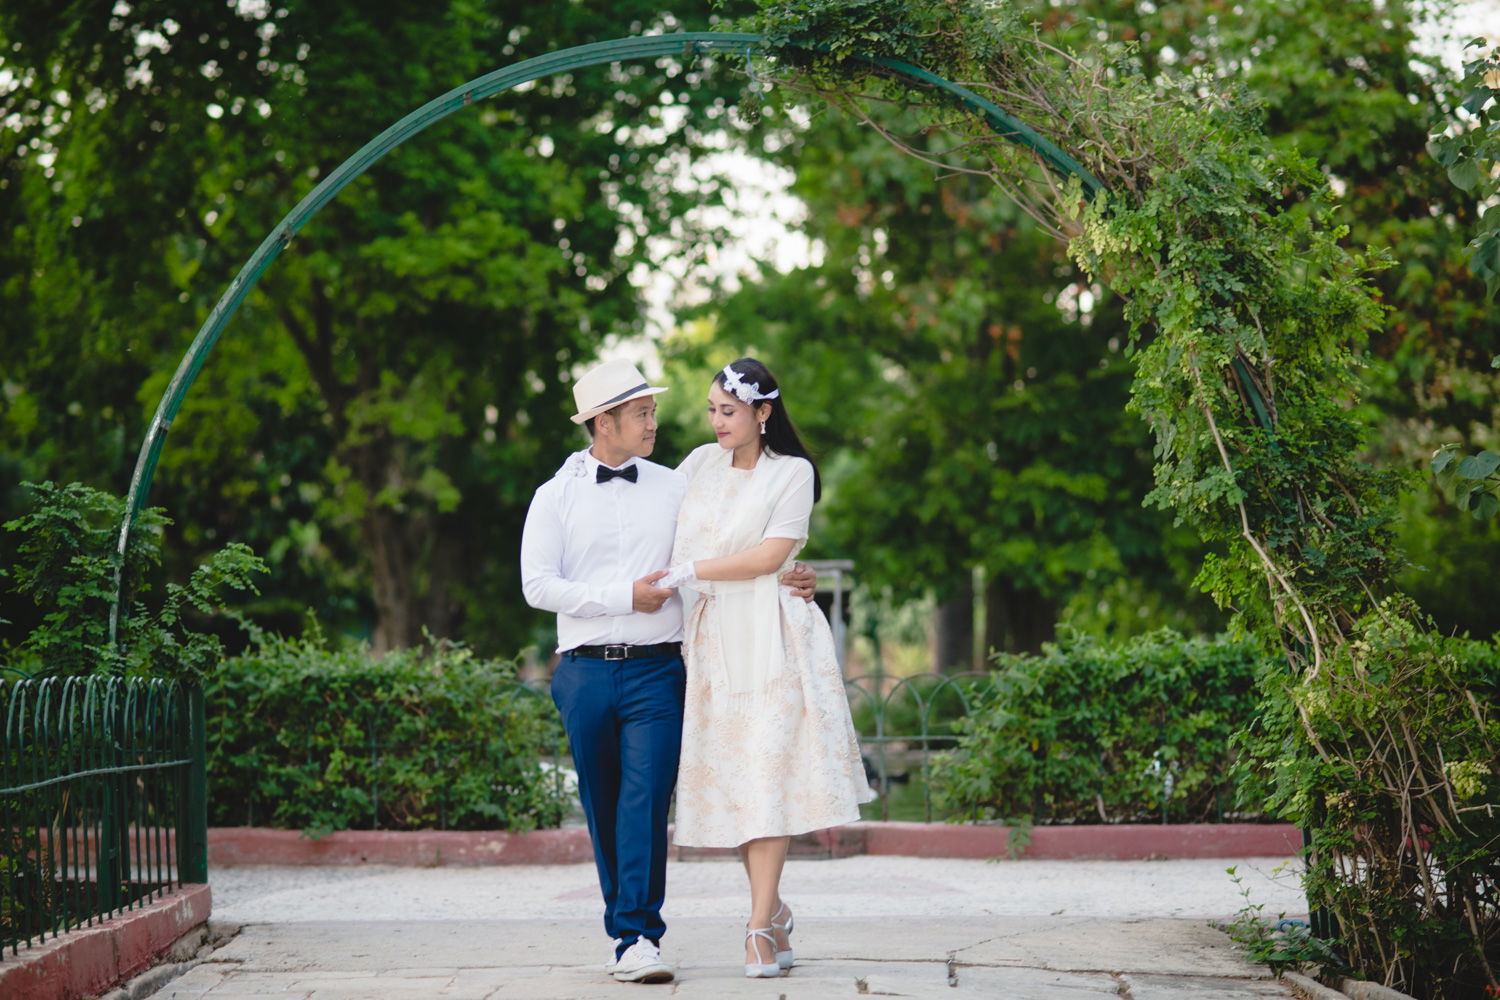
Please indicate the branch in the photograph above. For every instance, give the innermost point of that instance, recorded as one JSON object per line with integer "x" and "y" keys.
{"x": 1287, "y": 590}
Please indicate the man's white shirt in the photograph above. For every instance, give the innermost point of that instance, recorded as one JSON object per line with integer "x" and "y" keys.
{"x": 586, "y": 543}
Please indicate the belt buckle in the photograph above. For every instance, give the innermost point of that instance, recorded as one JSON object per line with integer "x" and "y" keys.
{"x": 617, "y": 652}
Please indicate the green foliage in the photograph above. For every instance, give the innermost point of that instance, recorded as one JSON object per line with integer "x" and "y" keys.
{"x": 1137, "y": 731}
{"x": 396, "y": 385}
{"x": 66, "y": 567}
{"x": 1469, "y": 149}
{"x": 962, "y": 377}
{"x": 1356, "y": 87}
{"x": 303, "y": 734}
{"x": 1404, "y": 714}
{"x": 1471, "y": 479}
{"x": 29, "y": 891}
{"x": 1282, "y": 943}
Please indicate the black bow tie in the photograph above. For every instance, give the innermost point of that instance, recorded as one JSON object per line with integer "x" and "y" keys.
{"x": 604, "y": 474}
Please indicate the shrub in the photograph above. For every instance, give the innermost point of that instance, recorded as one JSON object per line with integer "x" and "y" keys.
{"x": 1095, "y": 732}
{"x": 1389, "y": 756}
{"x": 303, "y": 735}
{"x": 65, "y": 565}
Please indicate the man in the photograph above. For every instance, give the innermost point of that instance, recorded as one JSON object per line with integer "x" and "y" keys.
{"x": 598, "y": 536}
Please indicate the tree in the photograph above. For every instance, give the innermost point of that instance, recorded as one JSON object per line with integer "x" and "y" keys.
{"x": 394, "y": 388}
{"x": 967, "y": 385}
{"x": 1354, "y": 87}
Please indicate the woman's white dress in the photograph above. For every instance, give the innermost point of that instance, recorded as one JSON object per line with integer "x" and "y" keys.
{"x": 768, "y": 747}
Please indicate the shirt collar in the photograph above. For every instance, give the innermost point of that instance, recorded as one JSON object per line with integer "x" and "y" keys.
{"x": 592, "y": 463}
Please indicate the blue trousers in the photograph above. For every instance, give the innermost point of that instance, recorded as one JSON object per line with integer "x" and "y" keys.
{"x": 624, "y": 724}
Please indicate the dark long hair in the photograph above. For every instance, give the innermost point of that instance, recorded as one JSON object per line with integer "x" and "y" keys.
{"x": 781, "y": 434}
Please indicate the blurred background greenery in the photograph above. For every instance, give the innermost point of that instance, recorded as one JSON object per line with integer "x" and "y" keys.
{"x": 375, "y": 419}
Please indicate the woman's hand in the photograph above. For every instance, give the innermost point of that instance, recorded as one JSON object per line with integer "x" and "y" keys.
{"x": 681, "y": 575}
{"x": 802, "y": 579}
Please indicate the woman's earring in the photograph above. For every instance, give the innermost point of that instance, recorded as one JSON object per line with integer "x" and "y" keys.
{"x": 762, "y": 428}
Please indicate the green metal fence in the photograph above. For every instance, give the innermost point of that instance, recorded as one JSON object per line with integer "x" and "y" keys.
{"x": 101, "y": 800}
{"x": 902, "y": 722}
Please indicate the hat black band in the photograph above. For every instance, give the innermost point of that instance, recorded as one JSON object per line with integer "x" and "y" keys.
{"x": 624, "y": 395}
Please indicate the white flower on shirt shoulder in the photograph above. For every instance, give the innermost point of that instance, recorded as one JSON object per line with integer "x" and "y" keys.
{"x": 574, "y": 466}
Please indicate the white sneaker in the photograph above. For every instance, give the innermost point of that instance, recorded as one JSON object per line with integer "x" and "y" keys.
{"x": 642, "y": 963}
{"x": 614, "y": 946}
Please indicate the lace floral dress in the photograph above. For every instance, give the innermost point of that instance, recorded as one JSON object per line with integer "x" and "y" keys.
{"x": 768, "y": 747}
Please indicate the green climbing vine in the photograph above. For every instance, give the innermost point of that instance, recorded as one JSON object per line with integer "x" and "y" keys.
{"x": 1250, "y": 313}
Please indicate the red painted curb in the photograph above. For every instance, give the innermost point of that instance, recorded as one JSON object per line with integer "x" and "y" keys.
{"x": 836, "y": 842}
{"x": 91, "y": 960}
{"x": 419, "y": 849}
{"x": 433, "y": 848}
{"x": 1122, "y": 842}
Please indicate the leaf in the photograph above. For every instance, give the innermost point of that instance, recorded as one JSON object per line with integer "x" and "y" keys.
{"x": 1441, "y": 458}
{"x": 1477, "y": 99}
{"x": 1445, "y": 149}
{"x": 1484, "y": 261}
{"x": 1489, "y": 222}
{"x": 1464, "y": 174}
{"x": 1447, "y": 477}
{"x": 1487, "y": 506}
{"x": 1479, "y": 466}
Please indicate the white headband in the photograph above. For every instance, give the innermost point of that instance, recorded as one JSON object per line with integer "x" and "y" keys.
{"x": 745, "y": 392}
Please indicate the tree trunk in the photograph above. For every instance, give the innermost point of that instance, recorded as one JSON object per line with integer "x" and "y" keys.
{"x": 440, "y": 610}
{"x": 414, "y": 557}
{"x": 1017, "y": 619}
{"x": 953, "y": 630}
{"x": 396, "y": 624}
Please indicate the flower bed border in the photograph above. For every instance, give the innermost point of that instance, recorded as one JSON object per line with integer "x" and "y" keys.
{"x": 438, "y": 848}
{"x": 89, "y": 960}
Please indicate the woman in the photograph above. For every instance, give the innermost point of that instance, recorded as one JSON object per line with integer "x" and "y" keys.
{"x": 768, "y": 747}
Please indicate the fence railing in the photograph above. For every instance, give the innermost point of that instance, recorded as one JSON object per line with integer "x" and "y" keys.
{"x": 901, "y": 723}
{"x": 102, "y": 804}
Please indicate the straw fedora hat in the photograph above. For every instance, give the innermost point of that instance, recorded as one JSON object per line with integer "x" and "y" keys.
{"x": 608, "y": 385}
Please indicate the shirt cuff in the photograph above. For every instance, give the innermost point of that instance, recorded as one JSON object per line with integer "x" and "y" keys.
{"x": 619, "y": 598}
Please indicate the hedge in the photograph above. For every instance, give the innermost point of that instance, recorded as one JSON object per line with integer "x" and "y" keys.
{"x": 1094, "y": 732}
{"x": 304, "y": 735}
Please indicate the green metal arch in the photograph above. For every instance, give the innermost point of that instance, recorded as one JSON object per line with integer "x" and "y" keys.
{"x": 683, "y": 44}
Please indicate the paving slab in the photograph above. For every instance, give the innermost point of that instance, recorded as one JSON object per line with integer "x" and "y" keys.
{"x": 556, "y": 959}
{"x": 1153, "y": 987}
{"x": 1174, "y": 946}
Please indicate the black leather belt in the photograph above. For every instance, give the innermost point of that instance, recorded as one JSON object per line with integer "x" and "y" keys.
{"x": 623, "y": 652}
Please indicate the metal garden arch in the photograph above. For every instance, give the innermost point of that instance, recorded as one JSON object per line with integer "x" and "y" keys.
{"x": 684, "y": 44}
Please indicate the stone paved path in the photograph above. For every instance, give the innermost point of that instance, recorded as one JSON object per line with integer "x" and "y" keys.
{"x": 867, "y": 926}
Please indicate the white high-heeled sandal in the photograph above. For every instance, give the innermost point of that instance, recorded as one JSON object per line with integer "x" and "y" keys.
{"x": 758, "y": 969}
{"x": 784, "y": 958}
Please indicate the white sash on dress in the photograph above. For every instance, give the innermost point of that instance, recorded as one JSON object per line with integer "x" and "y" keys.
{"x": 751, "y": 637}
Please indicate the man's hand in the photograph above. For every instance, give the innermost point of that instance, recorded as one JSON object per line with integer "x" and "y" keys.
{"x": 646, "y": 596}
{"x": 802, "y": 579}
